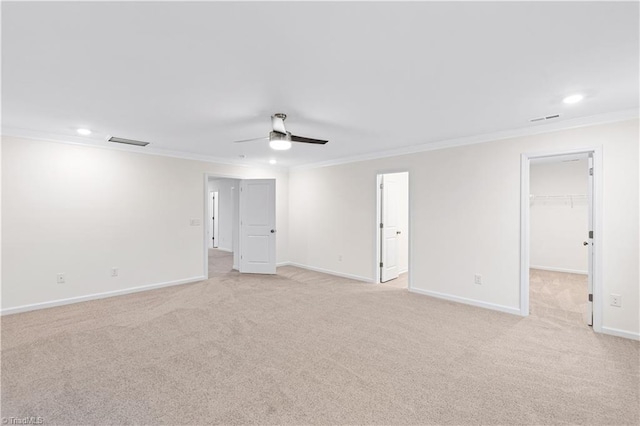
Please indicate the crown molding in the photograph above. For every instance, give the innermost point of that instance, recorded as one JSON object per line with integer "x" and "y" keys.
{"x": 100, "y": 143}
{"x": 573, "y": 123}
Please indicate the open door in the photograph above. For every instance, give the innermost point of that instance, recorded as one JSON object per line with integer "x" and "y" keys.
{"x": 258, "y": 226}
{"x": 210, "y": 233}
{"x": 214, "y": 218}
{"x": 589, "y": 242}
{"x": 389, "y": 227}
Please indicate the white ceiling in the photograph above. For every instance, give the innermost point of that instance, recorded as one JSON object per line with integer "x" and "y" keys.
{"x": 370, "y": 77}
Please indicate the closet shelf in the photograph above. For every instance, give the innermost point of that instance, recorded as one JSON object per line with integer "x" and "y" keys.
{"x": 566, "y": 197}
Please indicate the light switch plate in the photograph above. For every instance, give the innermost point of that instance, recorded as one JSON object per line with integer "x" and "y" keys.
{"x": 615, "y": 300}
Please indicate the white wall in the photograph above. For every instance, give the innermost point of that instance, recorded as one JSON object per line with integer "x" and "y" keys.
{"x": 81, "y": 210}
{"x": 559, "y": 225}
{"x": 465, "y": 217}
{"x": 226, "y": 192}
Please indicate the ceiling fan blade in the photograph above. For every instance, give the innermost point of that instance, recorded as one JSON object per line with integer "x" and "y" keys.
{"x": 295, "y": 138}
{"x": 251, "y": 140}
{"x": 278, "y": 124}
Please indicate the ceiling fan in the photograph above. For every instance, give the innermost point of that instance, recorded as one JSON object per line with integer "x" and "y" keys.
{"x": 279, "y": 138}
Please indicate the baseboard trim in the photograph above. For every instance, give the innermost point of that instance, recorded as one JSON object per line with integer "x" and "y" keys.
{"x": 621, "y": 333}
{"x": 223, "y": 249}
{"x": 329, "y": 272}
{"x": 466, "y": 301}
{"x": 553, "y": 269}
{"x": 95, "y": 296}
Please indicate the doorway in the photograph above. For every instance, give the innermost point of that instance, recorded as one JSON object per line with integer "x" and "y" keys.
{"x": 392, "y": 230}
{"x": 222, "y": 209}
{"x": 559, "y": 254}
{"x": 241, "y": 223}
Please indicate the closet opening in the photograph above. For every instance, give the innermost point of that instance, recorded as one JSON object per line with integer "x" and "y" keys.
{"x": 559, "y": 280}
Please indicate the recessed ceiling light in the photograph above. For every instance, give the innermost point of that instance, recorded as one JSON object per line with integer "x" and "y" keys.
{"x": 84, "y": 132}
{"x": 572, "y": 99}
{"x": 272, "y": 161}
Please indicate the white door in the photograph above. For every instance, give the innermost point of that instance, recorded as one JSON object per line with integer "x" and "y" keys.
{"x": 389, "y": 227}
{"x": 589, "y": 242}
{"x": 211, "y": 220}
{"x": 216, "y": 220}
{"x": 258, "y": 226}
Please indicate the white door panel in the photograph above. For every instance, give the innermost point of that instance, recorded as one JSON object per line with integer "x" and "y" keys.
{"x": 210, "y": 221}
{"x": 257, "y": 226}
{"x": 257, "y": 248}
{"x": 390, "y": 196}
{"x": 216, "y": 220}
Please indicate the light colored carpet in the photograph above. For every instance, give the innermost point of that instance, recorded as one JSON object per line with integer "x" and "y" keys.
{"x": 401, "y": 282}
{"x": 220, "y": 262}
{"x": 558, "y": 297}
{"x": 306, "y": 348}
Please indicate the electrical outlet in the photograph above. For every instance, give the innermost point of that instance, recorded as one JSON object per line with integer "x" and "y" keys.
{"x": 615, "y": 300}
{"x": 477, "y": 278}
{"x": 339, "y": 258}
{"x": 194, "y": 222}
{"x": 60, "y": 278}
{"x": 114, "y": 272}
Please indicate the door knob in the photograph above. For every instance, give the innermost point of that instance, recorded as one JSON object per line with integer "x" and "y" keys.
{"x": 273, "y": 231}
{"x": 398, "y": 232}
{"x": 585, "y": 243}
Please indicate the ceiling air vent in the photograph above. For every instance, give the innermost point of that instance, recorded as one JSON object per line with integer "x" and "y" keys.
{"x": 548, "y": 117}
{"x": 127, "y": 141}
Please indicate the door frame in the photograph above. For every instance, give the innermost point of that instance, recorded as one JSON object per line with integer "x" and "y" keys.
{"x": 376, "y": 232}
{"x": 596, "y": 211}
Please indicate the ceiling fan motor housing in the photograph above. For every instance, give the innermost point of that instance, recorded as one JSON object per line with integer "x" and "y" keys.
{"x": 277, "y": 136}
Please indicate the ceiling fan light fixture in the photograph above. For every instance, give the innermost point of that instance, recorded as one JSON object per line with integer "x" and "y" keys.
{"x": 280, "y": 144}
{"x": 280, "y": 141}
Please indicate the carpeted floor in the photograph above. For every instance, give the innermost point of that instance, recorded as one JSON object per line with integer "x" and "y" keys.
{"x": 306, "y": 348}
{"x": 402, "y": 282}
{"x": 558, "y": 297}
{"x": 220, "y": 262}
